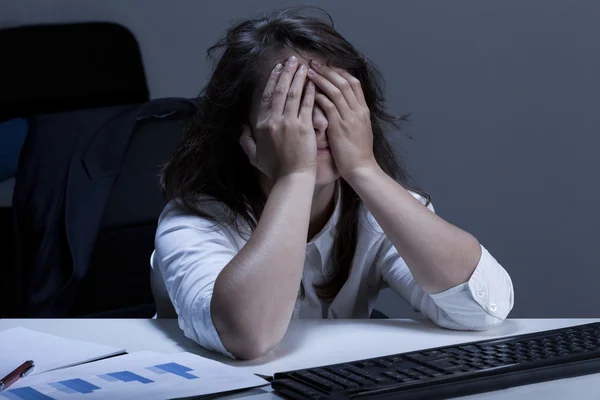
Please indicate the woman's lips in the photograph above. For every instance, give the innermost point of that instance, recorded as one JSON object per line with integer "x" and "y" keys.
{"x": 323, "y": 151}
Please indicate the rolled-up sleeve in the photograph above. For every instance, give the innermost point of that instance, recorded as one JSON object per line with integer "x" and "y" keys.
{"x": 190, "y": 252}
{"x": 482, "y": 302}
{"x": 478, "y": 304}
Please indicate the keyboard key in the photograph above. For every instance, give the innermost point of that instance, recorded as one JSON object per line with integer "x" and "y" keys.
{"x": 306, "y": 391}
{"x": 435, "y": 353}
{"x": 494, "y": 364}
{"x": 326, "y": 373}
{"x": 359, "y": 371}
{"x": 458, "y": 353}
{"x": 398, "y": 377}
{"x": 368, "y": 364}
{"x": 457, "y": 369}
{"x": 436, "y": 374}
{"x": 424, "y": 370}
{"x": 382, "y": 380}
{"x": 477, "y": 365}
{"x": 345, "y": 383}
{"x": 470, "y": 348}
{"x": 360, "y": 378}
{"x": 409, "y": 378}
{"x": 441, "y": 360}
{"x": 445, "y": 365}
{"x": 396, "y": 359}
{"x": 319, "y": 382}
{"x": 383, "y": 363}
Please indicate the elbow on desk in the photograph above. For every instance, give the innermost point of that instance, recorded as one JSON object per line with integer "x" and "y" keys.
{"x": 476, "y": 313}
{"x": 482, "y": 321}
{"x": 493, "y": 314}
{"x": 253, "y": 350}
{"x": 246, "y": 346}
{"x": 487, "y": 321}
{"x": 244, "y": 342}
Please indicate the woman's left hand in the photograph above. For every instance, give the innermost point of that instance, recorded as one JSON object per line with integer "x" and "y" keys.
{"x": 349, "y": 131}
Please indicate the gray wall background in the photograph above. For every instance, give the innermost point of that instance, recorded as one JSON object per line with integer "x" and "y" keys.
{"x": 504, "y": 98}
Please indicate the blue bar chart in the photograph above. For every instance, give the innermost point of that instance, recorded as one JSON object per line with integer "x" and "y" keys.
{"x": 173, "y": 368}
{"x": 144, "y": 375}
{"x": 25, "y": 393}
{"x": 72, "y": 386}
{"x": 124, "y": 376}
{"x": 81, "y": 386}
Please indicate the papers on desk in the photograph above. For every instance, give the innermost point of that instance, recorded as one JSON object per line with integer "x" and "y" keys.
{"x": 48, "y": 352}
{"x": 143, "y": 375}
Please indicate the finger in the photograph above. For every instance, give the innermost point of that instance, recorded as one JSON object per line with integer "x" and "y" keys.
{"x": 338, "y": 86}
{"x": 330, "y": 109}
{"x": 292, "y": 104}
{"x": 267, "y": 95}
{"x": 308, "y": 102}
{"x": 283, "y": 85}
{"x": 332, "y": 92}
{"x": 354, "y": 84}
{"x": 248, "y": 143}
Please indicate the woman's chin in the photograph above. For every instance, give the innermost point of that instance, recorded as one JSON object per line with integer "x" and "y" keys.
{"x": 326, "y": 172}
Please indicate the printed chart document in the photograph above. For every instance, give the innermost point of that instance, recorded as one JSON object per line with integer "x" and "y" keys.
{"x": 48, "y": 352}
{"x": 142, "y": 375}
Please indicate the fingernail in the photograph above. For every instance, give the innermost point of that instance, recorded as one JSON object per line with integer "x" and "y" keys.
{"x": 292, "y": 60}
{"x": 315, "y": 63}
{"x": 302, "y": 68}
{"x": 277, "y": 68}
{"x": 312, "y": 72}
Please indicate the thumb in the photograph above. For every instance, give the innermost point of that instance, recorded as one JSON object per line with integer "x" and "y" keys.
{"x": 248, "y": 143}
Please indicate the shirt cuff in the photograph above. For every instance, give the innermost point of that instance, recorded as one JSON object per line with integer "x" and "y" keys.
{"x": 489, "y": 289}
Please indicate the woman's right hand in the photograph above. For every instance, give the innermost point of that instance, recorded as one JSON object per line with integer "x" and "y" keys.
{"x": 283, "y": 142}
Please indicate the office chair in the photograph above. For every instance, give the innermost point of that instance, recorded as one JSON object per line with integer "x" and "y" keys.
{"x": 118, "y": 280}
{"x": 54, "y": 68}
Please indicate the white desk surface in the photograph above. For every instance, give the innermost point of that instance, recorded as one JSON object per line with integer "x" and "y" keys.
{"x": 311, "y": 343}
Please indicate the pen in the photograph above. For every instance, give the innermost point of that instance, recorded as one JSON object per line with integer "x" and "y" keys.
{"x": 23, "y": 370}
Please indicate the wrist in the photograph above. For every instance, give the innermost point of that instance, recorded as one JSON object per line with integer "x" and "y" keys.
{"x": 364, "y": 173}
{"x": 300, "y": 177}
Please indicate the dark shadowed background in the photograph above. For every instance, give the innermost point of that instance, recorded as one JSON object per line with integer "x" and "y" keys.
{"x": 504, "y": 99}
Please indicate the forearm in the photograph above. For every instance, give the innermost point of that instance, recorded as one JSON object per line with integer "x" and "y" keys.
{"x": 438, "y": 254}
{"x": 255, "y": 294}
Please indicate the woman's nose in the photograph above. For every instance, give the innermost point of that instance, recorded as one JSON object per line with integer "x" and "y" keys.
{"x": 320, "y": 122}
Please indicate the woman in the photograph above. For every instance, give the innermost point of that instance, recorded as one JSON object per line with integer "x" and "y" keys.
{"x": 286, "y": 201}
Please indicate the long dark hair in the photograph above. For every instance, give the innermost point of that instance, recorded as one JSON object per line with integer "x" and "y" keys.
{"x": 209, "y": 161}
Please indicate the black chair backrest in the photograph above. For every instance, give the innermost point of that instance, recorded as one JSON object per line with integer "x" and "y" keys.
{"x": 55, "y": 68}
{"x": 61, "y": 67}
{"x": 118, "y": 279}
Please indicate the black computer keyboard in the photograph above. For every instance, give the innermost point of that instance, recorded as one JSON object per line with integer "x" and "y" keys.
{"x": 452, "y": 371}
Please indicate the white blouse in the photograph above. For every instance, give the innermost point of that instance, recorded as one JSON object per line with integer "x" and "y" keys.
{"x": 190, "y": 252}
